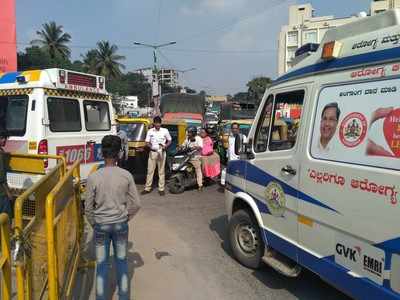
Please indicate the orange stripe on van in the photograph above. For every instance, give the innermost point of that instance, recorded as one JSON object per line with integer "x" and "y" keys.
{"x": 306, "y": 221}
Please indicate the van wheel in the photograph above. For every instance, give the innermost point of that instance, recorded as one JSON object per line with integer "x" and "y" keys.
{"x": 245, "y": 239}
{"x": 176, "y": 185}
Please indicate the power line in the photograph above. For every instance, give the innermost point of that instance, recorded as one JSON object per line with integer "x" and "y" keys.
{"x": 233, "y": 22}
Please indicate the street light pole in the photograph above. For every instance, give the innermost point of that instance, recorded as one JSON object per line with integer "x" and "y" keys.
{"x": 156, "y": 88}
{"x": 183, "y": 73}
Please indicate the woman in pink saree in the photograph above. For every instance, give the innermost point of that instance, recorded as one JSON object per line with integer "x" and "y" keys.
{"x": 209, "y": 159}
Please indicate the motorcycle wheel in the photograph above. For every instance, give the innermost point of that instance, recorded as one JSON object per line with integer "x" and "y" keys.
{"x": 176, "y": 184}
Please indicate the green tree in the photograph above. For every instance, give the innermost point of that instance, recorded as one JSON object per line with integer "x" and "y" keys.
{"x": 108, "y": 61}
{"x": 90, "y": 61}
{"x": 53, "y": 40}
{"x": 256, "y": 88}
{"x": 36, "y": 58}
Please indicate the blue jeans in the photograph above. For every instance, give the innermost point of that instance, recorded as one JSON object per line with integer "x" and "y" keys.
{"x": 5, "y": 206}
{"x": 104, "y": 234}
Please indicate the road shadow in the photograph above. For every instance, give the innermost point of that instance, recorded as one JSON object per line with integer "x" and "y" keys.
{"x": 308, "y": 286}
{"x": 219, "y": 225}
{"x": 85, "y": 283}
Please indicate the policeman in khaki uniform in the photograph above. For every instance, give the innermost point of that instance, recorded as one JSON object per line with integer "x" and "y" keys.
{"x": 158, "y": 140}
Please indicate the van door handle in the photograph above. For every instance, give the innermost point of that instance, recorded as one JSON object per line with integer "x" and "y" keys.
{"x": 90, "y": 142}
{"x": 288, "y": 170}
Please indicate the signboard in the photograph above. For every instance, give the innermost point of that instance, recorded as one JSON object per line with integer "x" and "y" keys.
{"x": 360, "y": 124}
{"x": 8, "y": 46}
{"x": 89, "y": 154}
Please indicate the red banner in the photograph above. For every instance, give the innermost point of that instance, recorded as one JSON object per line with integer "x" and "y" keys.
{"x": 8, "y": 45}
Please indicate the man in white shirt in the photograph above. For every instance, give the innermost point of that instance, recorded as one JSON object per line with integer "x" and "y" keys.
{"x": 158, "y": 140}
{"x": 193, "y": 141}
{"x": 235, "y": 130}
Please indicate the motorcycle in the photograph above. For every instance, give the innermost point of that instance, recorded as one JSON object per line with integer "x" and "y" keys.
{"x": 182, "y": 172}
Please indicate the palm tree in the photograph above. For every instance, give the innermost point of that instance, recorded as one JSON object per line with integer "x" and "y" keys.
{"x": 108, "y": 61}
{"x": 90, "y": 61}
{"x": 53, "y": 40}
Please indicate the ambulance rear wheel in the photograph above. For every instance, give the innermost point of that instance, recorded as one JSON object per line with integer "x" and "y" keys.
{"x": 245, "y": 239}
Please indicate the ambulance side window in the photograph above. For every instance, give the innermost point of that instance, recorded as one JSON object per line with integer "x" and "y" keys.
{"x": 262, "y": 132}
{"x": 64, "y": 114}
{"x": 286, "y": 120}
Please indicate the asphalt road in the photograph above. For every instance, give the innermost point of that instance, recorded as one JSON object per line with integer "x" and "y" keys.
{"x": 179, "y": 250}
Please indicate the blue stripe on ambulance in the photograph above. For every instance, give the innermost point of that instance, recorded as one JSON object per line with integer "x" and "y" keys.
{"x": 258, "y": 176}
{"x": 9, "y": 77}
{"x": 343, "y": 63}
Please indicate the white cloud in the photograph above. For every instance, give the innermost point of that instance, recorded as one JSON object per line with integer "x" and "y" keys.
{"x": 214, "y": 6}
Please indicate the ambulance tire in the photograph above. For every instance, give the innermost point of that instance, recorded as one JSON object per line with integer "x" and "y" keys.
{"x": 250, "y": 255}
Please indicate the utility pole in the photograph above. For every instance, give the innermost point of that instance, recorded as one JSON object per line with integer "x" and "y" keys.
{"x": 156, "y": 87}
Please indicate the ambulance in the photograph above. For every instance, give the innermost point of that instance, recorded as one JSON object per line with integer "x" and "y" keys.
{"x": 325, "y": 196}
{"x": 55, "y": 111}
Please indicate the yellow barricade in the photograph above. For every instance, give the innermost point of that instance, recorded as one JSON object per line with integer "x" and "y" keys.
{"x": 5, "y": 258}
{"x": 64, "y": 226}
{"x": 29, "y": 229}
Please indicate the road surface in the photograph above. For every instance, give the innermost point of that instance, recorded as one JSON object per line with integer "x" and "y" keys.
{"x": 179, "y": 251}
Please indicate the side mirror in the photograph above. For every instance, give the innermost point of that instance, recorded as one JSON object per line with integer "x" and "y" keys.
{"x": 242, "y": 148}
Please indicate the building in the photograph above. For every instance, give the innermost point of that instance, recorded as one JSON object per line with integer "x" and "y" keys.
{"x": 129, "y": 104}
{"x": 379, "y": 6}
{"x": 303, "y": 28}
{"x": 166, "y": 76}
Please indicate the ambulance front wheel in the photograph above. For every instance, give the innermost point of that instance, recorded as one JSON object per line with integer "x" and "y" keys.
{"x": 245, "y": 239}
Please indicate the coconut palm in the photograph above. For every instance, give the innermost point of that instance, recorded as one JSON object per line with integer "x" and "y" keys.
{"x": 53, "y": 40}
{"x": 108, "y": 61}
{"x": 90, "y": 61}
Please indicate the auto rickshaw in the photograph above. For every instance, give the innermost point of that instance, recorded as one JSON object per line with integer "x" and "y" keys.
{"x": 136, "y": 130}
{"x": 177, "y": 130}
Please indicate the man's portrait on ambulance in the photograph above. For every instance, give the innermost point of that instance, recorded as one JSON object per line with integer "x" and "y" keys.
{"x": 328, "y": 126}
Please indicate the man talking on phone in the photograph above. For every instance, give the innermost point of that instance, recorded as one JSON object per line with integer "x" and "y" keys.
{"x": 158, "y": 140}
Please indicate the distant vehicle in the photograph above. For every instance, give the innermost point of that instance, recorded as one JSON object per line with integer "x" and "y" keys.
{"x": 186, "y": 107}
{"x": 56, "y": 111}
{"x": 317, "y": 184}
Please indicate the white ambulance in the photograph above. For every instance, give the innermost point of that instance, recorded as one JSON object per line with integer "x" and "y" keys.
{"x": 322, "y": 192}
{"x": 56, "y": 111}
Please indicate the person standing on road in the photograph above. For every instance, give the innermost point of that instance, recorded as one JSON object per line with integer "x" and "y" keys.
{"x": 194, "y": 142}
{"x": 124, "y": 145}
{"x": 5, "y": 194}
{"x": 158, "y": 140}
{"x": 235, "y": 132}
{"x": 111, "y": 201}
{"x": 209, "y": 159}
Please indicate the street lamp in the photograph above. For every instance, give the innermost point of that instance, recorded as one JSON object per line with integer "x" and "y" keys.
{"x": 183, "y": 72}
{"x": 156, "y": 89}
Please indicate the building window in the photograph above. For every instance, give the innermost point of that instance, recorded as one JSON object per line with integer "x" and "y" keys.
{"x": 292, "y": 38}
{"x": 378, "y": 11}
{"x": 291, "y": 53}
{"x": 310, "y": 36}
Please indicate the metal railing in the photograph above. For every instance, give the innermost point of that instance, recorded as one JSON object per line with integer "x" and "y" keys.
{"x": 64, "y": 226}
{"x": 5, "y": 257}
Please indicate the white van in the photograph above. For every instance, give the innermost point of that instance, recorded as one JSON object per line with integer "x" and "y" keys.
{"x": 56, "y": 111}
{"x": 324, "y": 194}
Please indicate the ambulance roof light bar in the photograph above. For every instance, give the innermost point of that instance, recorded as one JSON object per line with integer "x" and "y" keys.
{"x": 331, "y": 50}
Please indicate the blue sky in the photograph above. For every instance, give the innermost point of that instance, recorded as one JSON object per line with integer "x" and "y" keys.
{"x": 228, "y": 41}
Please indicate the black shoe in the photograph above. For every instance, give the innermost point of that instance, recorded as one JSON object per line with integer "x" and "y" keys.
{"x": 162, "y": 193}
{"x": 144, "y": 192}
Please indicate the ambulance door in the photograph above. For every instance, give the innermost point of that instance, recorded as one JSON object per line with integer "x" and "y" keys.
{"x": 63, "y": 133}
{"x": 97, "y": 124}
{"x": 273, "y": 176}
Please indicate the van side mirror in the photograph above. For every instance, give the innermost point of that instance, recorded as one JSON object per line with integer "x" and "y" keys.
{"x": 242, "y": 148}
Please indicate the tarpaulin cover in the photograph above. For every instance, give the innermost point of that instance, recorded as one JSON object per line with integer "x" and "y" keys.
{"x": 182, "y": 103}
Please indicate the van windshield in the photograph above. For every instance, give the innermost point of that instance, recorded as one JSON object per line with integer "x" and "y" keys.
{"x": 136, "y": 132}
{"x": 13, "y": 111}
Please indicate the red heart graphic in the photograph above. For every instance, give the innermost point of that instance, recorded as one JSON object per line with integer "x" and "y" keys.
{"x": 391, "y": 129}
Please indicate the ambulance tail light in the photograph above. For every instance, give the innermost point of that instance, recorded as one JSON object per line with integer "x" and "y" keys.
{"x": 331, "y": 50}
{"x": 43, "y": 149}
